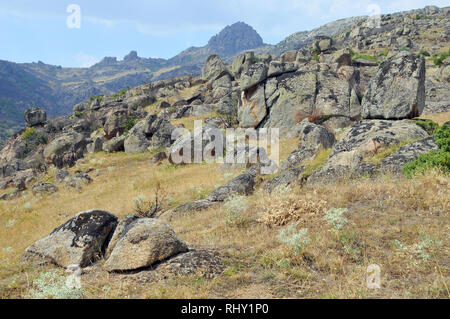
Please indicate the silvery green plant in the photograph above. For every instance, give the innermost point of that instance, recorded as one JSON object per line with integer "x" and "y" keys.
{"x": 298, "y": 240}
{"x": 423, "y": 246}
{"x": 52, "y": 284}
{"x": 335, "y": 217}
{"x": 234, "y": 206}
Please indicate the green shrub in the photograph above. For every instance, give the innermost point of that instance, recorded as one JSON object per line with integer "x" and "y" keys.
{"x": 78, "y": 114}
{"x": 356, "y": 55}
{"x": 439, "y": 58}
{"x": 28, "y": 134}
{"x": 442, "y": 138}
{"x": 424, "y": 162}
{"x": 234, "y": 206}
{"x": 424, "y": 53}
{"x": 131, "y": 121}
{"x": 335, "y": 217}
{"x": 435, "y": 159}
{"x": 298, "y": 240}
{"x": 428, "y": 125}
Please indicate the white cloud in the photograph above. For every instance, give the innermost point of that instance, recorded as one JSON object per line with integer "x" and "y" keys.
{"x": 85, "y": 60}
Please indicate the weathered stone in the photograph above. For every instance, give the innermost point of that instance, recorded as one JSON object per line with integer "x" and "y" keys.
{"x": 289, "y": 56}
{"x": 115, "y": 123}
{"x": 136, "y": 141}
{"x": 142, "y": 243}
{"x": 397, "y": 90}
{"x": 240, "y": 185}
{"x": 43, "y": 188}
{"x": 253, "y": 109}
{"x": 158, "y": 157}
{"x": 213, "y": 69}
{"x": 35, "y": 116}
{"x": 405, "y": 154}
{"x": 284, "y": 179}
{"x": 254, "y": 75}
{"x": 277, "y": 68}
{"x": 96, "y": 145}
{"x": 369, "y": 136}
{"x": 294, "y": 96}
{"x": 65, "y": 149}
{"x": 115, "y": 144}
{"x": 80, "y": 241}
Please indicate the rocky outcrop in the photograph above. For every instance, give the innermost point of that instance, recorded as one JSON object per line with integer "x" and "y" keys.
{"x": 35, "y": 116}
{"x": 142, "y": 243}
{"x": 254, "y": 75}
{"x": 285, "y": 178}
{"x": 44, "y": 188}
{"x": 81, "y": 240}
{"x": 241, "y": 185}
{"x": 397, "y": 90}
{"x": 115, "y": 144}
{"x": 65, "y": 149}
{"x": 312, "y": 138}
{"x": 363, "y": 140}
{"x": 213, "y": 69}
{"x": 405, "y": 154}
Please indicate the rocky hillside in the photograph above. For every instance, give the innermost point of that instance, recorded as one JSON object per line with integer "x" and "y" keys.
{"x": 363, "y": 116}
{"x": 57, "y": 89}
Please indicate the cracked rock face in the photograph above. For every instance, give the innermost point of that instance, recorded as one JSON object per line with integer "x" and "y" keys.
{"x": 81, "y": 240}
{"x": 397, "y": 90}
{"x": 142, "y": 242}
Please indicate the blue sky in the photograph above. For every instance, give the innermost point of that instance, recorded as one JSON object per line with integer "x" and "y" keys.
{"x": 37, "y": 30}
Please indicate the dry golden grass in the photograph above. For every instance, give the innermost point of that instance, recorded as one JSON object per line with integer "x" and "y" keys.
{"x": 400, "y": 224}
{"x": 188, "y": 122}
{"x": 439, "y": 118}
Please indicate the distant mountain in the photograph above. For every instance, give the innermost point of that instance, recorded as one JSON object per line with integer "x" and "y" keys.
{"x": 58, "y": 89}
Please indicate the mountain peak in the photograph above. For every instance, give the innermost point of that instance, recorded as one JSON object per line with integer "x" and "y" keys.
{"x": 131, "y": 56}
{"x": 235, "y": 38}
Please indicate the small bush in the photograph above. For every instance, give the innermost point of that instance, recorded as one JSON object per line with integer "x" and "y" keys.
{"x": 442, "y": 138}
{"x": 424, "y": 53}
{"x": 428, "y": 126}
{"x": 129, "y": 124}
{"x": 28, "y": 134}
{"x": 297, "y": 240}
{"x": 52, "y": 285}
{"x": 335, "y": 217}
{"x": 438, "y": 59}
{"x": 435, "y": 159}
{"x": 284, "y": 207}
{"x": 78, "y": 114}
{"x": 234, "y": 206}
{"x": 148, "y": 209}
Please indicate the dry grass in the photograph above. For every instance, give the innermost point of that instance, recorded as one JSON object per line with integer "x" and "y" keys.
{"x": 400, "y": 224}
{"x": 439, "y": 118}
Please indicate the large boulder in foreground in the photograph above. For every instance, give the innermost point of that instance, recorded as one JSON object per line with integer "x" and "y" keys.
{"x": 35, "y": 116}
{"x": 65, "y": 150}
{"x": 141, "y": 243}
{"x": 397, "y": 90}
{"x": 81, "y": 240}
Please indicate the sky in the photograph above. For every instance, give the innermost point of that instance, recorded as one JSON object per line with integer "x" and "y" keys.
{"x": 50, "y": 31}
